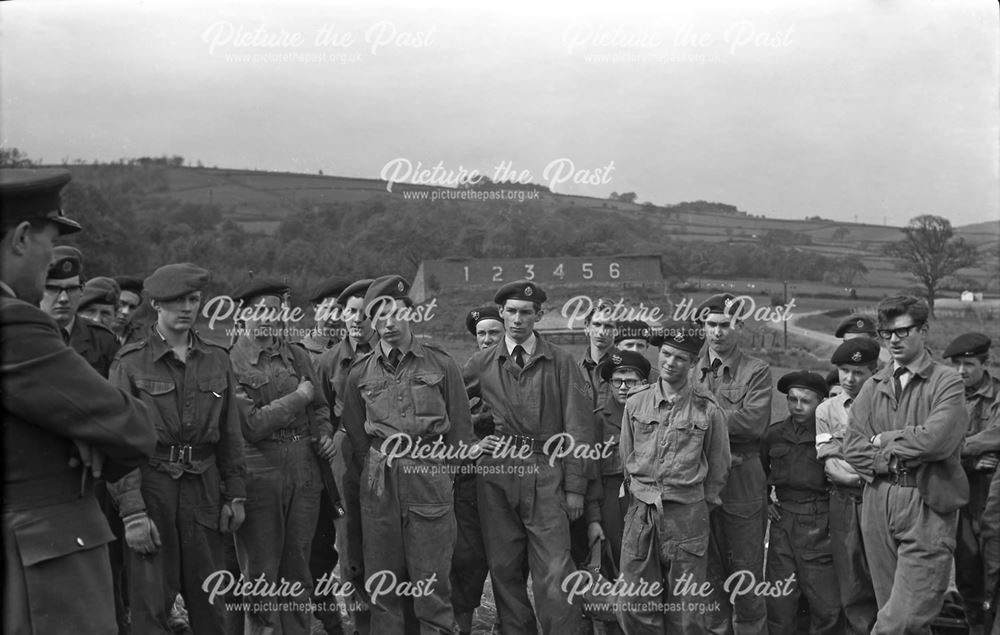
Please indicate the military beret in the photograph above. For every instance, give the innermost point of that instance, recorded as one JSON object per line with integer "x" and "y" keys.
{"x": 256, "y": 287}
{"x": 99, "y": 290}
{"x": 725, "y": 303}
{"x": 520, "y": 290}
{"x": 631, "y": 330}
{"x": 329, "y": 288}
{"x": 129, "y": 283}
{"x": 859, "y": 350}
{"x": 66, "y": 262}
{"x": 33, "y": 194}
{"x": 625, "y": 360}
{"x": 968, "y": 345}
{"x": 856, "y": 324}
{"x": 804, "y": 379}
{"x": 356, "y": 288}
{"x": 391, "y": 286}
{"x": 172, "y": 281}
{"x": 477, "y": 315}
{"x": 686, "y": 336}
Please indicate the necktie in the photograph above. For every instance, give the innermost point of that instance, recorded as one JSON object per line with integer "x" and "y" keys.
{"x": 897, "y": 385}
{"x": 519, "y": 356}
{"x": 716, "y": 365}
{"x": 394, "y": 357}
{"x": 65, "y": 335}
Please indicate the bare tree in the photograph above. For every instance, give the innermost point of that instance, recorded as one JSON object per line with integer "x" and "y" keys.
{"x": 931, "y": 252}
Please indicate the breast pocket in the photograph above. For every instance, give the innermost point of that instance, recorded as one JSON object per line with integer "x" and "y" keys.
{"x": 644, "y": 435}
{"x": 376, "y": 398}
{"x": 685, "y": 442}
{"x": 211, "y": 393}
{"x": 732, "y": 396}
{"x": 425, "y": 390}
{"x": 780, "y": 458}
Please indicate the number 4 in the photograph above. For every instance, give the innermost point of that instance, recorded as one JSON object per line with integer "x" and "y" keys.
{"x": 559, "y": 272}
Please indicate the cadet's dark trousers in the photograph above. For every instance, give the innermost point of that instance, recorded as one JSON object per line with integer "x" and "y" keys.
{"x": 283, "y": 493}
{"x": 969, "y": 571}
{"x": 857, "y": 597}
{"x": 409, "y": 520}
{"x": 469, "y": 567}
{"x": 322, "y": 561}
{"x": 525, "y": 513}
{"x": 349, "y": 551}
{"x": 910, "y": 549}
{"x": 662, "y": 546}
{"x": 116, "y": 555}
{"x": 186, "y": 513}
{"x": 991, "y": 547}
{"x": 613, "y": 510}
{"x": 800, "y": 545}
{"x": 737, "y": 544}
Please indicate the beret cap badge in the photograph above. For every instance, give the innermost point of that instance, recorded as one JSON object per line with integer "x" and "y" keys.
{"x": 860, "y": 323}
{"x": 528, "y": 291}
{"x": 616, "y": 359}
{"x": 856, "y": 356}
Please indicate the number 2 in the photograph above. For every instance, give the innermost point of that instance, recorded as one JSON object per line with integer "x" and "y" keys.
{"x": 497, "y": 274}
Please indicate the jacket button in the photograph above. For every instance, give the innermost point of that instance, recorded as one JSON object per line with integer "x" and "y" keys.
{"x": 79, "y": 541}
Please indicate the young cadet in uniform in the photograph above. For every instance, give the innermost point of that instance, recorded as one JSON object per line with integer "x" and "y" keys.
{"x": 904, "y": 437}
{"x": 741, "y": 385}
{"x": 536, "y": 391}
{"x": 329, "y": 327}
{"x": 63, "y": 290}
{"x": 799, "y": 542}
{"x": 332, "y": 368}
{"x": 969, "y": 353}
{"x": 856, "y": 361}
{"x": 600, "y": 329}
{"x": 99, "y": 302}
{"x": 56, "y": 574}
{"x": 676, "y": 457}
{"x": 130, "y": 309}
{"x": 469, "y": 566}
{"x": 410, "y": 391}
{"x": 624, "y": 371}
{"x": 286, "y": 427}
{"x": 632, "y": 335}
{"x": 177, "y": 507}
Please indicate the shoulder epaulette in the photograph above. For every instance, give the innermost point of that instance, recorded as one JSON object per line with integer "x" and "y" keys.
{"x": 131, "y": 347}
{"x": 639, "y": 389}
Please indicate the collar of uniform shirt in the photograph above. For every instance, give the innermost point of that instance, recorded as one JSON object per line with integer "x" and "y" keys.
{"x": 413, "y": 347}
{"x": 528, "y": 345}
{"x": 254, "y": 348}
{"x": 661, "y": 395}
{"x": 730, "y": 362}
{"x": 164, "y": 346}
{"x": 7, "y": 289}
{"x": 986, "y": 388}
{"x": 920, "y": 366}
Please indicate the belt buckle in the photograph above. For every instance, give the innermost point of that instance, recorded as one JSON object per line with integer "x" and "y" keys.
{"x": 295, "y": 437}
{"x": 180, "y": 453}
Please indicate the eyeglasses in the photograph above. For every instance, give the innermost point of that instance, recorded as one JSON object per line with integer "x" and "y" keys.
{"x": 56, "y": 290}
{"x": 628, "y": 383}
{"x": 902, "y": 332}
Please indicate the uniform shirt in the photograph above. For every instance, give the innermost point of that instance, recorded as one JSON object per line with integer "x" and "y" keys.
{"x": 675, "y": 450}
{"x": 831, "y": 423}
{"x": 924, "y": 429}
{"x": 332, "y": 367}
{"x": 788, "y": 454}
{"x": 601, "y": 388}
{"x": 423, "y": 397}
{"x": 742, "y": 389}
{"x": 95, "y": 343}
{"x": 983, "y": 407}
{"x": 609, "y": 417}
{"x": 191, "y": 402}
{"x": 548, "y": 396}
{"x": 268, "y": 377}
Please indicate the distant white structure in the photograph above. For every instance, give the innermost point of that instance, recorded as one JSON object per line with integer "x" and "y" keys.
{"x": 969, "y": 296}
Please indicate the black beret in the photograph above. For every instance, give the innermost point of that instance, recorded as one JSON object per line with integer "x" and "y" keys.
{"x": 477, "y": 315}
{"x": 99, "y": 290}
{"x": 129, "y": 283}
{"x": 686, "y": 336}
{"x": 33, "y": 194}
{"x": 391, "y": 286}
{"x": 968, "y": 345}
{"x": 625, "y": 359}
{"x": 858, "y": 350}
{"x": 329, "y": 288}
{"x": 520, "y": 290}
{"x": 804, "y": 379}
{"x": 856, "y": 324}
{"x": 725, "y": 303}
{"x": 356, "y": 288}
{"x": 256, "y": 287}
{"x": 66, "y": 262}
{"x": 631, "y": 330}
{"x": 173, "y": 281}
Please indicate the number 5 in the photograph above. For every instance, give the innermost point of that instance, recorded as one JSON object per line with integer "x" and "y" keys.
{"x": 588, "y": 272}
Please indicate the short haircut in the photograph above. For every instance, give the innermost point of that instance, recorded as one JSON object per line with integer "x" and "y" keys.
{"x": 537, "y": 306}
{"x": 894, "y": 307}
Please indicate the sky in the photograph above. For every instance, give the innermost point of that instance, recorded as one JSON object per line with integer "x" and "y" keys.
{"x": 875, "y": 110}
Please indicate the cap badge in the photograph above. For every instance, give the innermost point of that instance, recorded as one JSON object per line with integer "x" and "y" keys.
{"x": 67, "y": 265}
{"x": 678, "y": 337}
{"x": 400, "y": 286}
{"x": 616, "y": 360}
{"x": 861, "y": 324}
{"x": 856, "y": 356}
{"x": 475, "y": 315}
{"x": 528, "y": 291}
{"x": 729, "y": 302}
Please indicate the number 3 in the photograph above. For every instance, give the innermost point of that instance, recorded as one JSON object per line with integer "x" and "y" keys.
{"x": 529, "y": 272}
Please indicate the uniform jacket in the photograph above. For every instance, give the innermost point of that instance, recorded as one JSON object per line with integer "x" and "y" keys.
{"x": 983, "y": 407}
{"x": 424, "y": 397}
{"x": 549, "y": 396}
{"x": 788, "y": 454}
{"x": 51, "y": 396}
{"x": 191, "y": 403}
{"x": 831, "y": 424}
{"x": 332, "y": 368}
{"x": 676, "y": 451}
{"x": 266, "y": 390}
{"x": 925, "y": 429}
{"x": 742, "y": 389}
{"x": 609, "y": 418}
{"x": 95, "y": 343}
